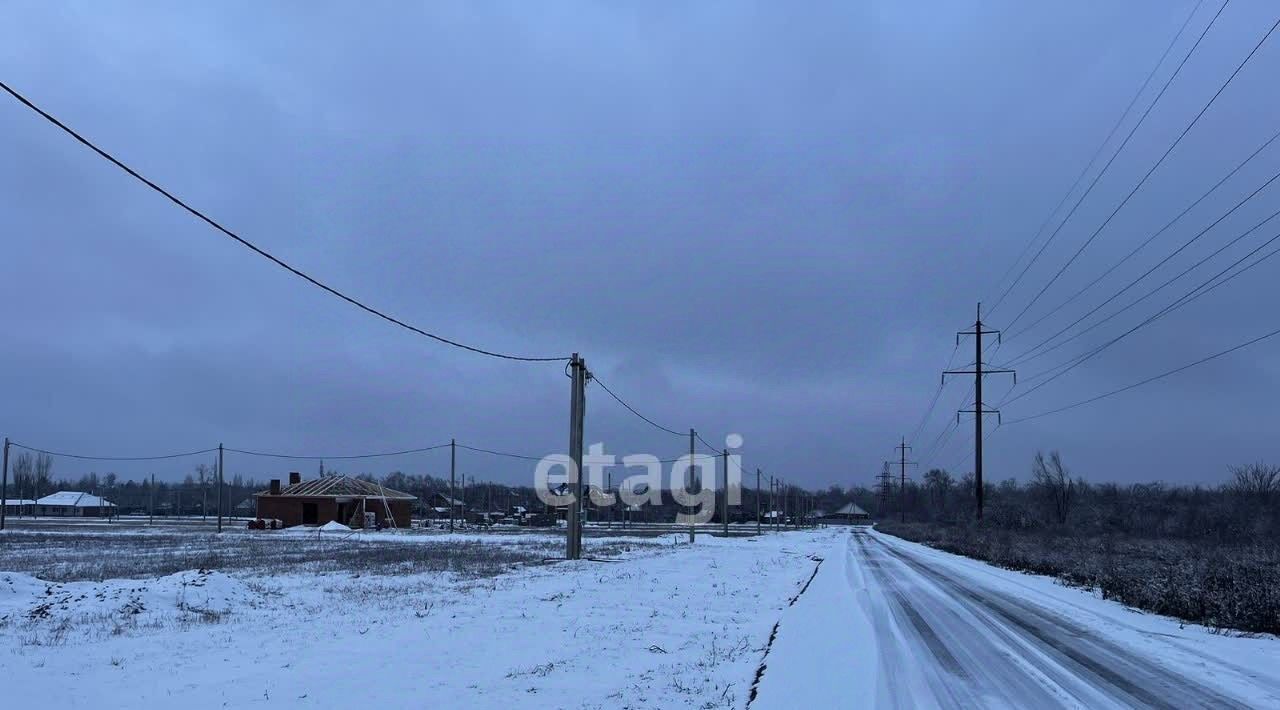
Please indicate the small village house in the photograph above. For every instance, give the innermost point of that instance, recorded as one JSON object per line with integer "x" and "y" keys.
{"x": 334, "y": 498}
{"x": 19, "y": 506}
{"x": 74, "y": 504}
{"x": 438, "y": 506}
{"x": 850, "y": 514}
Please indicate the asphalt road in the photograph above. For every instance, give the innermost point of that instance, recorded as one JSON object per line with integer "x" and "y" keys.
{"x": 949, "y": 637}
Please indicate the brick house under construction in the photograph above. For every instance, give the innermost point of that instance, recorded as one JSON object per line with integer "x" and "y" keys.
{"x": 334, "y": 498}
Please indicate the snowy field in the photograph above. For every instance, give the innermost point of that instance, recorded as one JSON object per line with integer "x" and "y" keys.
{"x": 304, "y": 620}
{"x": 822, "y": 618}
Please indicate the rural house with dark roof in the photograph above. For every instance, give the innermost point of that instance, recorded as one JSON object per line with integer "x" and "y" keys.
{"x": 334, "y": 498}
{"x": 848, "y": 515}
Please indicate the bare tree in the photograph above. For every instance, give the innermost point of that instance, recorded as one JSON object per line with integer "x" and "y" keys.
{"x": 43, "y": 473}
{"x": 23, "y": 476}
{"x": 1256, "y": 480}
{"x": 1053, "y": 479}
{"x": 939, "y": 483}
{"x": 203, "y": 474}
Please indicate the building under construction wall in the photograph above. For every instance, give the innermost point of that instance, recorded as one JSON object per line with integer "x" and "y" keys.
{"x": 334, "y": 498}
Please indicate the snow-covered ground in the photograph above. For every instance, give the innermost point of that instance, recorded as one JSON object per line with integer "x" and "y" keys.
{"x": 889, "y": 623}
{"x": 861, "y": 619}
{"x": 662, "y": 624}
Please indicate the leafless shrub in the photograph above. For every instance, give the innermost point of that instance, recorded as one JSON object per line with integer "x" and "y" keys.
{"x": 1055, "y": 484}
{"x": 1255, "y": 479}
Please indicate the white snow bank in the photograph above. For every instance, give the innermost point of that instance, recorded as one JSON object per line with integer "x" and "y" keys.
{"x": 828, "y": 622}
{"x": 26, "y": 600}
{"x": 334, "y": 526}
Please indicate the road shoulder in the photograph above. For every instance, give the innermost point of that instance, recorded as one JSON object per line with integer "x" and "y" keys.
{"x": 824, "y": 654}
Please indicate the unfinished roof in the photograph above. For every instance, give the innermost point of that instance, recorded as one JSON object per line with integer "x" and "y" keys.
{"x": 851, "y": 509}
{"x": 447, "y": 499}
{"x": 75, "y": 499}
{"x": 339, "y": 487}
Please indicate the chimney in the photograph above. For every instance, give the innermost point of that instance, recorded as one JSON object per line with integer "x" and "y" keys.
{"x": 275, "y": 486}
{"x": 295, "y": 478}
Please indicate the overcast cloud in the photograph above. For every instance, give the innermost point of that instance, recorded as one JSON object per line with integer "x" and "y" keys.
{"x": 757, "y": 218}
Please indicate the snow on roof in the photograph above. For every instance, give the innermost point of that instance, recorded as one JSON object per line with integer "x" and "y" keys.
{"x": 851, "y": 509}
{"x": 75, "y": 499}
{"x": 19, "y": 501}
{"x": 338, "y": 486}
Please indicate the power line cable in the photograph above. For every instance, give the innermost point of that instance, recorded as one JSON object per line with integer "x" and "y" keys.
{"x": 349, "y": 457}
{"x": 705, "y": 442}
{"x": 1200, "y": 290}
{"x": 1096, "y": 154}
{"x": 85, "y": 457}
{"x": 1151, "y": 238}
{"x": 955, "y": 463}
{"x": 1027, "y": 354}
{"x": 1149, "y": 172}
{"x": 1093, "y": 183}
{"x": 1184, "y": 300}
{"x": 937, "y": 393}
{"x": 935, "y": 448}
{"x": 596, "y": 378}
{"x": 500, "y": 453}
{"x": 259, "y": 250}
{"x": 939, "y": 442}
{"x": 1149, "y": 380}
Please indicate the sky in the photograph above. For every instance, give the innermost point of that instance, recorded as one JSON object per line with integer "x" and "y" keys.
{"x": 751, "y": 218}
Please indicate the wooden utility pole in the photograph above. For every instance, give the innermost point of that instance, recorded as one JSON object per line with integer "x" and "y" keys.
{"x": 978, "y": 411}
{"x": 453, "y": 469}
{"x": 757, "y": 501}
{"x": 692, "y": 453}
{"x": 773, "y": 523}
{"x": 219, "y": 487}
{"x": 724, "y": 510}
{"x": 151, "y": 515}
{"x": 577, "y": 414}
{"x": 4, "y": 486}
{"x": 777, "y": 504}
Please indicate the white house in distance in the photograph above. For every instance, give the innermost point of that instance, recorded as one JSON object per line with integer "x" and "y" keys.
{"x": 74, "y": 504}
{"x": 18, "y": 506}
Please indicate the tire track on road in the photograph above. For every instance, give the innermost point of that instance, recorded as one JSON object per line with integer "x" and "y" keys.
{"x": 1099, "y": 663}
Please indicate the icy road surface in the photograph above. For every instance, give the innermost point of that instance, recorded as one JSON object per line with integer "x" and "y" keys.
{"x": 892, "y": 624}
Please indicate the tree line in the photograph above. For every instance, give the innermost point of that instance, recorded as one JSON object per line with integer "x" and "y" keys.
{"x": 1245, "y": 506}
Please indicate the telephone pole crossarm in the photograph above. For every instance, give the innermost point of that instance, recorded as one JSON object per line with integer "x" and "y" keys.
{"x": 985, "y": 411}
{"x": 984, "y": 371}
